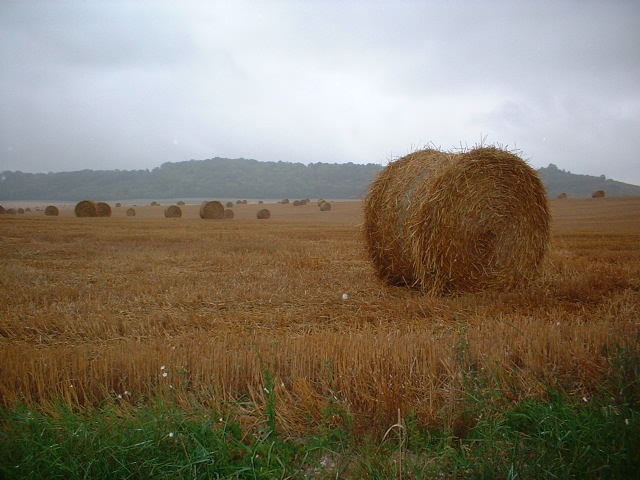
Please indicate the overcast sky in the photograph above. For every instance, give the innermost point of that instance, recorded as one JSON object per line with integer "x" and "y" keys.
{"x": 131, "y": 85}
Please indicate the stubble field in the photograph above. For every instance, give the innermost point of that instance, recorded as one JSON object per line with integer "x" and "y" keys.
{"x": 244, "y": 313}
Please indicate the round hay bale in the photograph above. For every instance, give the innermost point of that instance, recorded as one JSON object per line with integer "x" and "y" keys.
{"x": 562, "y": 196}
{"x": 172, "y": 211}
{"x": 51, "y": 211}
{"x": 180, "y": 203}
{"x": 455, "y": 222}
{"x": 228, "y": 214}
{"x": 27, "y": 210}
{"x": 131, "y": 212}
{"x": 264, "y": 214}
{"x": 21, "y": 211}
{"x": 598, "y": 194}
{"x": 229, "y": 204}
{"x": 118, "y": 204}
{"x": 86, "y": 208}
{"x": 285, "y": 201}
{"x": 103, "y": 209}
{"x": 212, "y": 210}
{"x": 1, "y": 210}
{"x": 238, "y": 202}
{"x": 11, "y": 211}
{"x": 297, "y": 203}
{"x": 325, "y": 207}
{"x": 155, "y": 204}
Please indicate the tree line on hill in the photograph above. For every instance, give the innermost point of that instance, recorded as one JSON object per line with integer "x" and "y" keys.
{"x": 244, "y": 178}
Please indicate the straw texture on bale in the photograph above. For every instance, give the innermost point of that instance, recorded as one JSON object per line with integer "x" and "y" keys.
{"x": 212, "y": 210}
{"x": 457, "y": 222}
{"x": 51, "y": 211}
{"x": 173, "y": 211}
{"x": 598, "y": 194}
{"x": 228, "y": 214}
{"x": 103, "y": 209}
{"x": 264, "y": 214}
{"x": 131, "y": 212}
{"x": 86, "y": 208}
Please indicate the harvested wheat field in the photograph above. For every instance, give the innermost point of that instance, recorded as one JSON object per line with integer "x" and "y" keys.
{"x": 119, "y": 309}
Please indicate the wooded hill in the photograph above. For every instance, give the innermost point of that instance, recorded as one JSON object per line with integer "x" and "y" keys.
{"x": 242, "y": 178}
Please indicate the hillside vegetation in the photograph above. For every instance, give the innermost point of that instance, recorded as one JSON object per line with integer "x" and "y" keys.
{"x": 243, "y": 178}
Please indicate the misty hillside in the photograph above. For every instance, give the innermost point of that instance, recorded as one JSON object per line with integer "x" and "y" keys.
{"x": 243, "y": 178}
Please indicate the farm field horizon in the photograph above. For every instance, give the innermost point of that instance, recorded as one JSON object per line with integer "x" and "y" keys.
{"x": 211, "y": 313}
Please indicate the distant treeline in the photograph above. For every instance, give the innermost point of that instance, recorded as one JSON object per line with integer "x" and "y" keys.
{"x": 243, "y": 178}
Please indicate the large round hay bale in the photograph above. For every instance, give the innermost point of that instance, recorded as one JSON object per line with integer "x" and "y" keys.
{"x": 103, "y": 209}
{"x": 228, "y": 214}
{"x": 131, "y": 212}
{"x": 86, "y": 208}
{"x": 51, "y": 211}
{"x": 264, "y": 214}
{"x": 455, "y": 222}
{"x": 212, "y": 210}
{"x": 172, "y": 211}
{"x": 325, "y": 206}
{"x": 598, "y": 194}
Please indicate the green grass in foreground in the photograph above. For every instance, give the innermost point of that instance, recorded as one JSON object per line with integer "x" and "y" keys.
{"x": 559, "y": 437}
{"x": 531, "y": 440}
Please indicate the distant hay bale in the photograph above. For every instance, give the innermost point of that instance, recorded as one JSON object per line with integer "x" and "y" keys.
{"x": 562, "y": 196}
{"x": 1, "y": 210}
{"x": 21, "y": 211}
{"x": 244, "y": 202}
{"x": 86, "y": 208}
{"x": 154, "y": 204}
{"x": 598, "y": 194}
{"x": 297, "y": 203}
{"x": 229, "y": 204}
{"x": 325, "y": 207}
{"x": 118, "y": 204}
{"x": 238, "y": 202}
{"x": 173, "y": 211}
{"x": 455, "y": 222}
{"x": 264, "y": 214}
{"x": 228, "y": 214}
{"x": 11, "y": 211}
{"x": 51, "y": 211}
{"x": 103, "y": 209}
{"x": 27, "y": 210}
{"x": 180, "y": 203}
{"x": 212, "y": 210}
{"x": 285, "y": 201}
{"x": 260, "y": 202}
{"x": 131, "y": 212}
